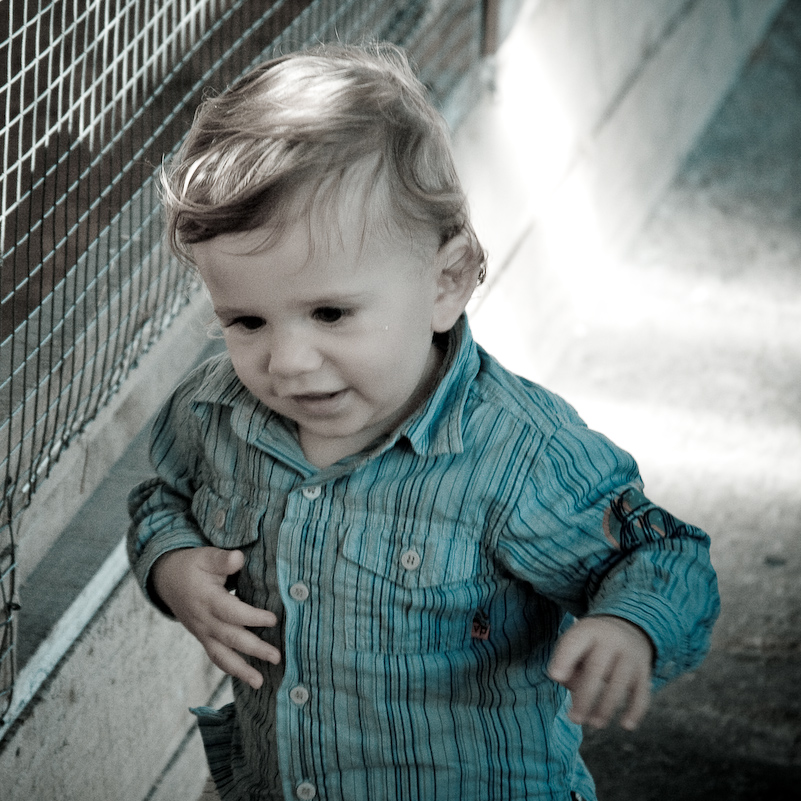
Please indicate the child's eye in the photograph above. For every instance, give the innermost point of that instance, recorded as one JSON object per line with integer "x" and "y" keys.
{"x": 329, "y": 314}
{"x": 246, "y": 322}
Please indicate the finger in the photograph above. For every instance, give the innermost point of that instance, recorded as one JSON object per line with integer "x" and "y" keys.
{"x": 230, "y": 609}
{"x": 589, "y": 682}
{"x": 246, "y": 642}
{"x": 586, "y": 688}
{"x": 639, "y": 701}
{"x": 220, "y": 562}
{"x": 567, "y": 657}
{"x": 234, "y": 665}
{"x": 611, "y": 696}
{"x": 234, "y": 562}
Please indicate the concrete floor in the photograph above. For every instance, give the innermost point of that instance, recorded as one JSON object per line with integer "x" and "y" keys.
{"x": 687, "y": 351}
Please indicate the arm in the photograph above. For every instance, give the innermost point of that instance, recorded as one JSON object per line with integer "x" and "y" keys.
{"x": 587, "y": 539}
{"x": 171, "y": 557}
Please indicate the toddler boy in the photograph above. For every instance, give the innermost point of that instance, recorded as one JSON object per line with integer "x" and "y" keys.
{"x": 411, "y": 531}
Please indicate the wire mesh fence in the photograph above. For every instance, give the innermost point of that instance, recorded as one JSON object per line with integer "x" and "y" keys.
{"x": 94, "y": 94}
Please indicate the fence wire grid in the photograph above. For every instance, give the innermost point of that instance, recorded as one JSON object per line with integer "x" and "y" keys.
{"x": 94, "y": 94}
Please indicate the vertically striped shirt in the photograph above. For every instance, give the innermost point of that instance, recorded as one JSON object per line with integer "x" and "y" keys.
{"x": 420, "y": 586}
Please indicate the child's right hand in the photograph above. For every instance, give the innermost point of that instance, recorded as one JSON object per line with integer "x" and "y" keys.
{"x": 191, "y": 582}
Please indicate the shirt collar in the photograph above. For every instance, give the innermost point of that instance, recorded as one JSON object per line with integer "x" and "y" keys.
{"x": 436, "y": 428}
{"x": 250, "y": 418}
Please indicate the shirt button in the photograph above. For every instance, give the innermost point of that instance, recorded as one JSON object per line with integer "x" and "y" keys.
{"x": 310, "y": 493}
{"x": 299, "y": 695}
{"x": 299, "y": 591}
{"x": 219, "y": 518}
{"x": 305, "y": 791}
{"x": 411, "y": 560}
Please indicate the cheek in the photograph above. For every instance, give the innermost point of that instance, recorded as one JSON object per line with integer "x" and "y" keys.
{"x": 244, "y": 361}
{"x": 395, "y": 358}
{"x": 368, "y": 360}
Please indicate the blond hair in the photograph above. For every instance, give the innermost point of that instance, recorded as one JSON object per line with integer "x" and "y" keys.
{"x": 301, "y": 122}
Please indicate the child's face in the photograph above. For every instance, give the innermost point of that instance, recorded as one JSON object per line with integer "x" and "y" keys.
{"x": 338, "y": 339}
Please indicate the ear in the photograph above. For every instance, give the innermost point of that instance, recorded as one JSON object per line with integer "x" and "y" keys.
{"x": 457, "y": 278}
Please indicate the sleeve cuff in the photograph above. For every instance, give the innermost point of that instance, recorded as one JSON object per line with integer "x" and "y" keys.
{"x": 676, "y": 652}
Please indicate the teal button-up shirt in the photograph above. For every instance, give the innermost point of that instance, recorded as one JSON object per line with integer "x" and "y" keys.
{"x": 420, "y": 586}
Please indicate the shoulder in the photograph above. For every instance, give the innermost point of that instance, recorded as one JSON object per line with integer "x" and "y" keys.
{"x": 196, "y": 416}
{"x": 210, "y": 378}
{"x": 208, "y": 383}
{"x": 214, "y": 381}
{"x": 520, "y": 401}
{"x": 546, "y": 433}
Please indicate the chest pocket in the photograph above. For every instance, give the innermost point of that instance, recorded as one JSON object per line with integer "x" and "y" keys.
{"x": 227, "y": 522}
{"x": 406, "y": 593}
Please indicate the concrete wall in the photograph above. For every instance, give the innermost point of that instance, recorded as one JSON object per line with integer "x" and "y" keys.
{"x": 604, "y": 101}
{"x": 610, "y": 94}
{"x": 596, "y": 106}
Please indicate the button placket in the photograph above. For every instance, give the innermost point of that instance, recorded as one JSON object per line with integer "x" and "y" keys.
{"x": 295, "y": 711}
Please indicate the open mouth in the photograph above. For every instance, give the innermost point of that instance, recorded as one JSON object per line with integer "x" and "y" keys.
{"x": 319, "y": 402}
{"x": 318, "y": 396}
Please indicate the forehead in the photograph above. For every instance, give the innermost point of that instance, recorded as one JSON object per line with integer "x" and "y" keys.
{"x": 335, "y": 254}
{"x": 345, "y": 222}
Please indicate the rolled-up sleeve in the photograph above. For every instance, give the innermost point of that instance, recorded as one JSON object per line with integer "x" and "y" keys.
{"x": 584, "y": 535}
{"x": 161, "y": 508}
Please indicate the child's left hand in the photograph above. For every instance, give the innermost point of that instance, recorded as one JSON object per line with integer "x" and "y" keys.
{"x": 606, "y": 663}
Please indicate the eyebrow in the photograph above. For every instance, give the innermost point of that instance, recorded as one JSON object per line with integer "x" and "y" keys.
{"x": 231, "y": 311}
{"x": 345, "y": 299}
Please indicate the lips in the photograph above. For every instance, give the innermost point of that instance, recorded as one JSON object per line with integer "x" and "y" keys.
{"x": 316, "y": 396}
{"x": 319, "y": 403}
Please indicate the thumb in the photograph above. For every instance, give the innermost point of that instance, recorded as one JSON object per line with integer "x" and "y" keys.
{"x": 566, "y": 658}
{"x": 224, "y": 563}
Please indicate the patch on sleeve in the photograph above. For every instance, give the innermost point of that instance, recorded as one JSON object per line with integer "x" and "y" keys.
{"x": 632, "y": 520}
{"x": 481, "y": 627}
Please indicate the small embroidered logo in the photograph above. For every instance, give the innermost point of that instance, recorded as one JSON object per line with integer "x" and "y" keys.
{"x": 481, "y": 627}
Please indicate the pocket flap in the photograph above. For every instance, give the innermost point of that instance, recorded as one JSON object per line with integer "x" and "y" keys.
{"x": 226, "y": 522}
{"x": 420, "y": 560}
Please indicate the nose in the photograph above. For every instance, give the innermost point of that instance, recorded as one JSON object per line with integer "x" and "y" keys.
{"x": 290, "y": 353}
